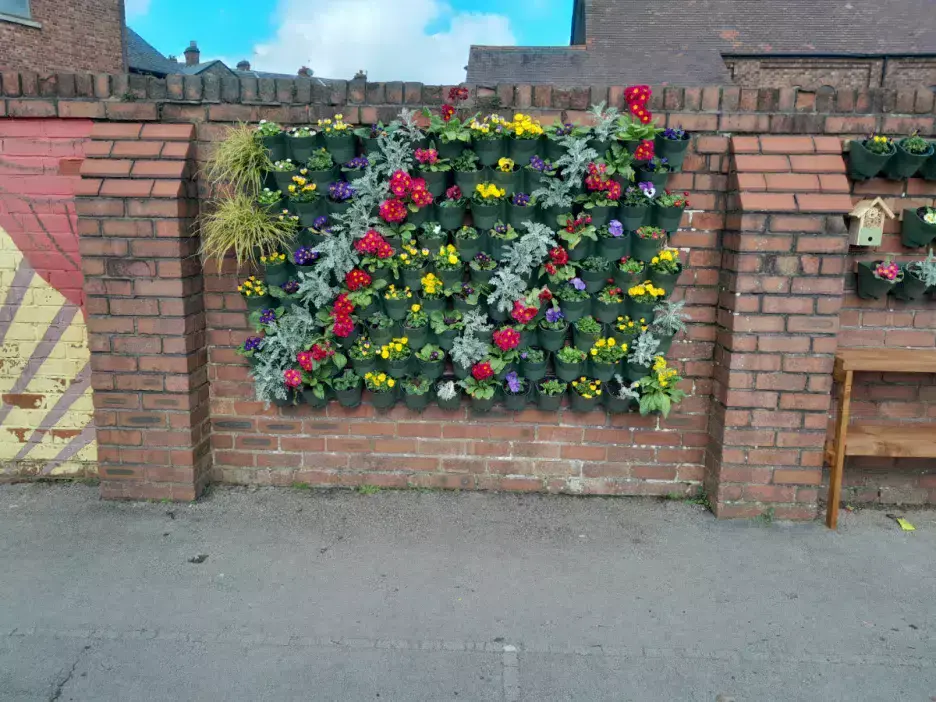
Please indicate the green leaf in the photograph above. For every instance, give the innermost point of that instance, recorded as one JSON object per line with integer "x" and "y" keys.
{"x": 340, "y": 360}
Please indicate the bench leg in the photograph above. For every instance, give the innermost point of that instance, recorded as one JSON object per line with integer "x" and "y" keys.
{"x": 838, "y": 462}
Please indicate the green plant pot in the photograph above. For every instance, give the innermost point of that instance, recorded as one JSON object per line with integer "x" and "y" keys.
{"x": 275, "y": 208}
{"x": 350, "y": 398}
{"x": 606, "y": 313}
{"x": 468, "y": 248}
{"x": 312, "y": 400}
{"x": 914, "y": 232}
{"x": 580, "y": 404}
{"x": 432, "y": 304}
{"x": 418, "y": 337}
{"x": 278, "y": 274}
{"x": 640, "y": 310}
{"x": 518, "y": 402}
{"x": 666, "y": 342}
{"x": 601, "y": 371}
{"x": 451, "y": 278}
{"x": 928, "y": 169}
{"x": 399, "y": 368}
{"x": 634, "y": 371}
{"x": 292, "y": 398}
{"x": 616, "y": 405}
{"x": 532, "y": 180}
{"x": 447, "y": 339}
{"x": 668, "y": 218}
{"x": 582, "y": 250}
{"x": 383, "y": 400}
{"x": 553, "y": 150}
{"x": 496, "y": 315}
{"x": 869, "y": 287}
{"x": 307, "y": 212}
{"x": 451, "y": 218}
{"x": 516, "y": 216}
{"x": 481, "y": 406}
{"x": 667, "y": 281}
{"x": 275, "y": 146}
{"x": 258, "y": 303}
{"x": 467, "y": 181}
{"x": 645, "y": 249}
{"x": 497, "y": 247}
{"x": 863, "y": 164}
{"x": 340, "y": 146}
{"x": 508, "y": 181}
{"x": 600, "y": 145}
{"x": 417, "y": 403}
{"x": 614, "y": 248}
{"x": 323, "y": 179}
{"x": 521, "y": 150}
{"x": 460, "y": 371}
{"x": 380, "y": 336}
{"x": 462, "y": 306}
{"x": 633, "y": 218}
{"x": 486, "y": 216}
{"x": 412, "y": 278}
{"x": 283, "y": 180}
{"x": 431, "y": 369}
{"x": 909, "y": 288}
{"x": 364, "y": 366}
{"x": 583, "y": 341}
{"x": 301, "y": 148}
{"x": 421, "y": 216}
{"x": 480, "y": 277}
{"x": 336, "y": 208}
{"x": 513, "y": 366}
{"x": 528, "y": 338}
{"x": 432, "y": 242}
{"x": 595, "y": 280}
{"x": 450, "y": 150}
{"x": 574, "y": 310}
{"x": 659, "y": 180}
{"x": 533, "y": 371}
{"x": 673, "y": 150}
{"x": 369, "y": 145}
{"x": 601, "y": 215}
{"x": 397, "y": 309}
{"x": 553, "y": 339}
{"x": 489, "y": 151}
{"x": 628, "y": 280}
{"x": 904, "y": 164}
{"x": 450, "y": 404}
{"x": 436, "y": 181}
{"x": 550, "y": 215}
{"x": 347, "y": 341}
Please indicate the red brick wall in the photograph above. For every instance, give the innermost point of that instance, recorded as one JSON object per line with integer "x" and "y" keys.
{"x": 78, "y": 35}
{"x": 815, "y": 73}
{"x": 897, "y": 324}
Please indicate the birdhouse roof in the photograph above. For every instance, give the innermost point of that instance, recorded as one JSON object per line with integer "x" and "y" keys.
{"x": 862, "y": 208}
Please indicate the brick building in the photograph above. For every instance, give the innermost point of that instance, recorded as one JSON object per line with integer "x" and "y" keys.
{"x": 753, "y": 43}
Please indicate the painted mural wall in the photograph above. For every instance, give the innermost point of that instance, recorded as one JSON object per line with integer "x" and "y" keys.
{"x": 46, "y": 411}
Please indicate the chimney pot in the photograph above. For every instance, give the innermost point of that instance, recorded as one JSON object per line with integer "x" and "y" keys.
{"x": 192, "y": 54}
{"x": 243, "y": 65}
{"x": 305, "y": 72}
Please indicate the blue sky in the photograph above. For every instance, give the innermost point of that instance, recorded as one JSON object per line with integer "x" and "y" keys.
{"x": 425, "y": 40}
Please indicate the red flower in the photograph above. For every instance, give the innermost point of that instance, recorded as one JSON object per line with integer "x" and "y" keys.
{"x": 458, "y": 94}
{"x": 506, "y": 339}
{"x": 425, "y": 156}
{"x": 292, "y": 378}
{"x": 559, "y": 256}
{"x": 384, "y": 250}
{"x": 482, "y": 371}
{"x": 320, "y": 353}
{"x": 305, "y": 359}
{"x": 343, "y": 327}
{"x": 357, "y": 279}
{"x": 447, "y": 112}
{"x": 392, "y": 211}
{"x": 523, "y": 314}
{"x": 545, "y": 295}
{"x": 453, "y": 193}
{"x": 644, "y": 152}
{"x": 421, "y": 198}
{"x": 370, "y": 242}
{"x": 550, "y": 268}
{"x": 638, "y": 94}
{"x": 417, "y": 184}
{"x": 343, "y": 306}
{"x": 614, "y": 190}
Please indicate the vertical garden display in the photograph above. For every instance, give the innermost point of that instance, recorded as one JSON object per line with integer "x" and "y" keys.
{"x": 485, "y": 257}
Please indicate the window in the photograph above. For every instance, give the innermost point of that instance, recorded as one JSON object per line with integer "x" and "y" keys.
{"x": 16, "y": 8}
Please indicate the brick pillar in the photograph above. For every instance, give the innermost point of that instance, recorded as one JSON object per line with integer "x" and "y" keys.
{"x": 781, "y": 289}
{"x": 143, "y": 286}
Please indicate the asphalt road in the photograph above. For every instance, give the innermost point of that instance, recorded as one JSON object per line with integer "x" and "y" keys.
{"x": 341, "y": 596}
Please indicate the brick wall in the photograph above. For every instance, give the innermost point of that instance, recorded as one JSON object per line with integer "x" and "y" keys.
{"x": 46, "y": 413}
{"x": 79, "y": 35}
{"x": 815, "y": 73}
{"x": 163, "y": 333}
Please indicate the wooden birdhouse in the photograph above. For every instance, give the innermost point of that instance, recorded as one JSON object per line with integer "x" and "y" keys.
{"x": 866, "y": 226}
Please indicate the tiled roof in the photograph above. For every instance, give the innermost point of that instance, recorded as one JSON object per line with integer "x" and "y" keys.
{"x": 682, "y": 41}
{"x": 142, "y": 57}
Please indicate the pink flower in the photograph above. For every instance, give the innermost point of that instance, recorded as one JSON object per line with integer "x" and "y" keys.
{"x": 292, "y": 378}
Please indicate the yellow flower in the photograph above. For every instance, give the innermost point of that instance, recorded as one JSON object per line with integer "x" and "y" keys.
{"x": 384, "y": 354}
{"x": 382, "y": 377}
{"x": 415, "y": 308}
{"x": 611, "y": 342}
{"x": 404, "y": 340}
{"x": 453, "y": 259}
{"x": 339, "y": 116}
{"x": 425, "y": 252}
{"x": 594, "y": 352}
{"x": 398, "y": 347}
{"x": 391, "y": 383}
{"x": 655, "y": 259}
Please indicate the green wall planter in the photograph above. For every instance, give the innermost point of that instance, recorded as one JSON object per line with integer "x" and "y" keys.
{"x": 903, "y": 164}
{"x": 864, "y": 164}
{"x": 869, "y": 287}
{"x": 673, "y": 150}
{"x": 489, "y": 151}
{"x": 914, "y": 232}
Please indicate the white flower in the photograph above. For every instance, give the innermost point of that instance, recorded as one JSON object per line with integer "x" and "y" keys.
{"x": 930, "y": 217}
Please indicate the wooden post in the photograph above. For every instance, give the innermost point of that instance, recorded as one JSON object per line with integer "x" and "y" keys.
{"x": 838, "y": 463}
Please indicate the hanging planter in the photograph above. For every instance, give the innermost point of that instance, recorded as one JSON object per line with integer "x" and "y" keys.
{"x": 310, "y": 398}
{"x": 518, "y": 401}
{"x": 508, "y": 180}
{"x": 667, "y": 218}
{"x": 451, "y": 217}
{"x": 432, "y": 369}
{"x": 910, "y": 287}
{"x": 553, "y": 339}
{"x": 450, "y": 150}
{"x": 275, "y": 145}
{"x": 416, "y": 402}
{"x": 451, "y": 401}
{"x": 584, "y": 340}
{"x": 664, "y": 280}
{"x": 340, "y": 146}
{"x": 657, "y": 176}
{"x": 864, "y": 163}
{"x": 489, "y": 151}
{"x": 468, "y": 180}
{"x": 633, "y": 218}
{"x": 606, "y": 312}
{"x": 469, "y": 243}
{"x": 581, "y": 403}
{"x": 398, "y": 368}
{"x": 568, "y": 371}
{"x": 549, "y": 400}
{"x": 351, "y": 397}
{"x": 418, "y": 336}
{"x": 420, "y": 216}
{"x": 647, "y": 243}
{"x": 928, "y": 169}
{"x": 876, "y": 279}
{"x": 915, "y": 230}
{"x": 522, "y": 150}
{"x": 486, "y": 216}
{"x": 483, "y": 404}
{"x": 672, "y": 144}
{"x": 911, "y": 154}
{"x": 533, "y": 366}
{"x": 436, "y": 181}
{"x": 383, "y": 400}
{"x": 574, "y": 310}
{"x": 258, "y": 302}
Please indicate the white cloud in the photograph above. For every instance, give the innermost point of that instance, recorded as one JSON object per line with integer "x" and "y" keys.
{"x": 387, "y": 38}
{"x": 136, "y": 8}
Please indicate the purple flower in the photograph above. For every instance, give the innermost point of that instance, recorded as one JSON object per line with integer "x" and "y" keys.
{"x": 267, "y": 316}
{"x": 375, "y": 131}
{"x": 500, "y": 228}
{"x": 648, "y": 189}
{"x": 578, "y": 283}
{"x": 290, "y": 287}
{"x": 565, "y": 129}
{"x": 320, "y": 222}
{"x": 537, "y": 164}
{"x": 675, "y": 134}
{"x": 435, "y": 355}
{"x": 524, "y": 355}
{"x": 521, "y": 199}
{"x": 305, "y": 256}
{"x": 253, "y": 343}
{"x": 482, "y": 258}
{"x": 340, "y": 191}
{"x": 615, "y": 228}
{"x": 513, "y": 382}
{"x": 359, "y": 162}
{"x": 554, "y": 314}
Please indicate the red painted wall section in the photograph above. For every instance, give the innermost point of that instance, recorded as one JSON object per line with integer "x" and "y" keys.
{"x": 39, "y": 162}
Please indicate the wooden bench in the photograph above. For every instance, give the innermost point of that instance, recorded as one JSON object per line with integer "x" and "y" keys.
{"x": 875, "y": 438}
